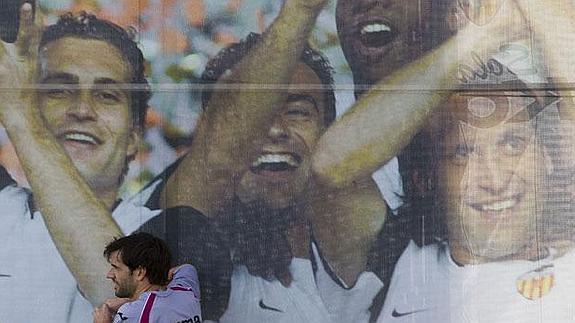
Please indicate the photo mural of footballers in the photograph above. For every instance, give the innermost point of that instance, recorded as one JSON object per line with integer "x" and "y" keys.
{"x": 272, "y": 197}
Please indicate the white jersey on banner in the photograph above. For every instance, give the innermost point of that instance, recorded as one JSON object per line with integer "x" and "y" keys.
{"x": 427, "y": 286}
{"x": 35, "y": 283}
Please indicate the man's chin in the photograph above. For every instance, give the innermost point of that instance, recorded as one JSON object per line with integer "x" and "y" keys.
{"x": 273, "y": 192}
{"x": 369, "y": 70}
{"x": 279, "y": 203}
{"x": 269, "y": 200}
{"x": 123, "y": 295}
{"x": 120, "y": 293}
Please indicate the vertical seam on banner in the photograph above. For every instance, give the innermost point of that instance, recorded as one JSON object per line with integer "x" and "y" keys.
{"x": 145, "y": 318}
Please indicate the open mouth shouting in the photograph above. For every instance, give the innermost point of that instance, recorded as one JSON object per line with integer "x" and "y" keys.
{"x": 276, "y": 164}
{"x": 375, "y": 34}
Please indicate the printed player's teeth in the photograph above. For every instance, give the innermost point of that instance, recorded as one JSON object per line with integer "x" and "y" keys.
{"x": 276, "y": 158}
{"x": 499, "y": 206}
{"x": 80, "y": 137}
{"x": 374, "y": 28}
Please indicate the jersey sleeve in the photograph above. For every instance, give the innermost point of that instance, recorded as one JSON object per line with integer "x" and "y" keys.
{"x": 186, "y": 276}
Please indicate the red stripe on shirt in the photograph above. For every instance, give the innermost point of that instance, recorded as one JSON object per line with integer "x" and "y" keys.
{"x": 148, "y": 308}
{"x": 181, "y": 288}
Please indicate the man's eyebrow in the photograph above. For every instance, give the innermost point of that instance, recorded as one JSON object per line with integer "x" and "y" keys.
{"x": 302, "y": 97}
{"x": 60, "y": 78}
{"x": 105, "y": 80}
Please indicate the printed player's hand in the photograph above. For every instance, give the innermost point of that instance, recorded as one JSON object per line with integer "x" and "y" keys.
{"x": 18, "y": 61}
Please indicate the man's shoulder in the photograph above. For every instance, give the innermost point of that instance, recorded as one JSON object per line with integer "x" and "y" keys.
{"x": 185, "y": 280}
{"x": 186, "y": 271}
{"x": 130, "y": 311}
{"x": 161, "y": 306}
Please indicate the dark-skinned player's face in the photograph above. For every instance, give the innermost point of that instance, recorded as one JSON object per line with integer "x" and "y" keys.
{"x": 379, "y": 36}
{"x": 279, "y": 168}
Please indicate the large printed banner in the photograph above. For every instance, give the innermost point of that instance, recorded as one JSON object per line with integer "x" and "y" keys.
{"x": 315, "y": 161}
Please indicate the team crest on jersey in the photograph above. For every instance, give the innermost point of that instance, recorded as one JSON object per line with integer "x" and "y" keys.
{"x": 537, "y": 283}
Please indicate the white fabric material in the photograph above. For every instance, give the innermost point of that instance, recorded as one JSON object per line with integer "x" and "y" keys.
{"x": 427, "y": 286}
{"x": 130, "y": 214}
{"x": 390, "y": 185}
{"x": 309, "y": 298}
{"x": 35, "y": 283}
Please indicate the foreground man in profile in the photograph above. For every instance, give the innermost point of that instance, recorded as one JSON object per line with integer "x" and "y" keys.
{"x": 147, "y": 289}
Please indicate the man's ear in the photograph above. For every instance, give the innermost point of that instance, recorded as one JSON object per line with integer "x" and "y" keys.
{"x": 133, "y": 143}
{"x": 140, "y": 273}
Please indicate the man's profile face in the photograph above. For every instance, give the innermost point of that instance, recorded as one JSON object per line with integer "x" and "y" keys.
{"x": 124, "y": 281}
{"x": 279, "y": 168}
{"x": 378, "y": 36}
{"x": 86, "y": 110}
{"x": 489, "y": 179}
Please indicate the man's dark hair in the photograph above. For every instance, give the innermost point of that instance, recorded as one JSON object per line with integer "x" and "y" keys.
{"x": 146, "y": 251}
{"x": 86, "y": 26}
{"x": 230, "y": 56}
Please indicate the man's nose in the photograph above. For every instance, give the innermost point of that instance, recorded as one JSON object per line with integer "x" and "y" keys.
{"x": 490, "y": 173}
{"x": 110, "y": 275}
{"x": 82, "y": 108}
{"x": 278, "y": 130}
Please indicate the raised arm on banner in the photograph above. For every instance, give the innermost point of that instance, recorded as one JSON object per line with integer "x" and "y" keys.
{"x": 385, "y": 119}
{"x": 234, "y": 118}
{"x": 68, "y": 205}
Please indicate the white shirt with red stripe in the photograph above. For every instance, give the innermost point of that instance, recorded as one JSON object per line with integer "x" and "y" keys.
{"x": 427, "y": 286}
{"x": 179, "y": 303}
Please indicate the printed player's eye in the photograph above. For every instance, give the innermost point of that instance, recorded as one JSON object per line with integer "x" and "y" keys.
{"x": 460, "y": 154}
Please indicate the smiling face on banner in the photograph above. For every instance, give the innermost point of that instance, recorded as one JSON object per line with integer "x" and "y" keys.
{"x": 87, "y": 109}
{"x": 491, "y": 173}
{"x": 280, "y": 170}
